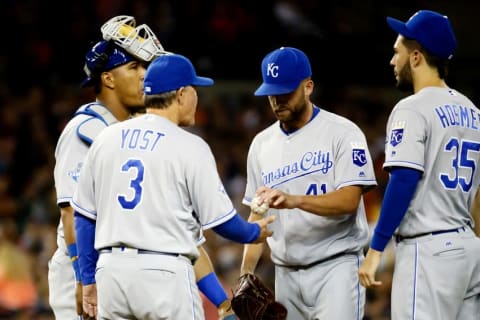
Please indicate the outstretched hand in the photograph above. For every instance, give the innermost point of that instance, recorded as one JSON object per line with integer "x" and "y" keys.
{"x": 369, "y": 267}
{"x": 264, "y": 231}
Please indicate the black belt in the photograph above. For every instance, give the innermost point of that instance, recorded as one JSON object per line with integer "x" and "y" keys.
{"x": 140, "y": 251}
{"x": 307, "y": 266}
{"x": 399, "y": 238}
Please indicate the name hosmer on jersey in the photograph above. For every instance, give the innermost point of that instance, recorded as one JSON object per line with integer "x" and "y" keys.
{"x": 316, "y": 160}
{"x": 140, "y": 139}
{"x": 453, "y": 115}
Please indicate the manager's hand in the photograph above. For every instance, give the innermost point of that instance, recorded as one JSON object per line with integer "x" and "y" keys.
{"x": 264, "y": 231}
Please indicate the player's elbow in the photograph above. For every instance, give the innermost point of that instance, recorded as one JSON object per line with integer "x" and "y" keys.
{"x": 350, "y": 200}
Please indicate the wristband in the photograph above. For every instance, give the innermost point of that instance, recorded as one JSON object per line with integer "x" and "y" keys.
{"x": 210, "y": 286}
{"x": 72, "y": 253}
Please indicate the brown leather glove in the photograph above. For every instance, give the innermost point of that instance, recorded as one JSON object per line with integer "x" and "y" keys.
{"x": 253, "y": 300}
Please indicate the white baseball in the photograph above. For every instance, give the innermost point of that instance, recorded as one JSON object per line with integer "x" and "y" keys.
{"x": 257, "y": 208}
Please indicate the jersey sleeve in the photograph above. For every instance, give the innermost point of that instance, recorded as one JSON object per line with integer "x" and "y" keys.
{"x": 70, "y": 152}
{"x": 69, "y": 155}
{"x": 253, "y": 174}
{"x": 209, "y": 197}
{"x": 406, "y": 138}
{"x": 353, "y": 162}
{"x": 84, "y": 199}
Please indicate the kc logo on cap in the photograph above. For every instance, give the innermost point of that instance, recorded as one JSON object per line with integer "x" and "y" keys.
{"x": 272, "y": 70}
{"x": 282, "y": 70}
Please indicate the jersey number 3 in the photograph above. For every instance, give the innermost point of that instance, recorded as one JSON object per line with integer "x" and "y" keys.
{"x": 135, "y": 184}
{"x": 460, "y": 160}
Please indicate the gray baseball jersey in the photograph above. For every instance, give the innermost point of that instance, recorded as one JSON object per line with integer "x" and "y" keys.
{"x": 328, "y": 153}
{"x": 149, "y": 184}
{"x": 310, "y": 251}
{"x": 72, "y": 146}
{"x": 436, "y": 131}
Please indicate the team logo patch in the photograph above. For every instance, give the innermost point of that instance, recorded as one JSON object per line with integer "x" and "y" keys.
{"x": 75, "y": 173}
{"x": 396, "y": 134}
{"x": 359, "y": 156}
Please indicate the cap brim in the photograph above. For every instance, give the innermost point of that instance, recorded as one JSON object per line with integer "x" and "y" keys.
{"x": 202, "y": 81}
{"x": 399, "y": 27}
{"x": 267, "y": 89}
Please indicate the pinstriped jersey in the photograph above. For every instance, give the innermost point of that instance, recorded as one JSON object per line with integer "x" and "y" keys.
{"x": 328, "y": 153}
{"x": 149, "y": 184}
{"x": 72, "y": 146}
{"x": 436, "y": 131}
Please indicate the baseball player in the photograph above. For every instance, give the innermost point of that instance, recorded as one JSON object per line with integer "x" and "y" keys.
{"x": 118, "y": 94}
{"x": 130, "y": 47}
{"x": 146, "y": 190}
{"x": 311, "y": 167}
{"x": 432, "y": 153}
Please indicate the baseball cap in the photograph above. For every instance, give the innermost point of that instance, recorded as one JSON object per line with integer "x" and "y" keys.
{"x": 169, "y": 72}
{"x": 103, "y": 56}
{"x": 431, "y": 29}
{"x": 282, "y": 71}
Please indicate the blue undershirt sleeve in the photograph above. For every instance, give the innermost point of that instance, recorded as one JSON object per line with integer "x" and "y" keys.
{"x": 211, "y": 287}
{"x": 400, "y": 190}
{"x": 87, "y": 255}
{"x": 238, "y": 230}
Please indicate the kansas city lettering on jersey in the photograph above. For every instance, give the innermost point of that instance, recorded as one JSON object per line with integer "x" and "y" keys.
{"x": 140, "y": 139}
{"x": 453, "y": 115}
{"x": 311, "y": 161}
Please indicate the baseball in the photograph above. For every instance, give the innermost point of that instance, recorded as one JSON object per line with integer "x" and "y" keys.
{"x": 257, "y": 208}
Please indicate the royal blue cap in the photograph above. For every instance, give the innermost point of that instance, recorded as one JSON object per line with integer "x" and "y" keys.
{"x": 282, "y": 71}
{"x": 103, "y": 56}
{"x": 169, "y": 72}
{"x": 429, "y": 28}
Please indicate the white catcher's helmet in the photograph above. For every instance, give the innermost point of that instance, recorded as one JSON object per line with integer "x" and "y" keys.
{"x": 139, "y": 41}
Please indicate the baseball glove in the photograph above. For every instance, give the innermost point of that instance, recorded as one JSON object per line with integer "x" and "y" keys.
{"x": 253, "y": 300}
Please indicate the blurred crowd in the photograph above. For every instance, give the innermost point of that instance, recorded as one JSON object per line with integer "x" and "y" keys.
{"x": 41, "y": 68}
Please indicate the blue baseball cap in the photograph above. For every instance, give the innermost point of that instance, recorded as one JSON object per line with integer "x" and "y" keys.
{"x": 169, "y": 72}
{"x": 429, "y": 28}
{"x": 103, "y": 56}
{"x": 282, "y": 71}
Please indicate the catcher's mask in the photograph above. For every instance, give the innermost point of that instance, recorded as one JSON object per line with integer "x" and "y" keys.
{"x": 139, "y": 41}
{"x": 123, "y": 42}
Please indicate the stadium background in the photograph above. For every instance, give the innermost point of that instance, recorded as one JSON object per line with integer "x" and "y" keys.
{"x": 41, "y": 62}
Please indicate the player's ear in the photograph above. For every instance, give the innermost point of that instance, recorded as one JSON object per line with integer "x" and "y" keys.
{"x": 180, "y": 95}
{"x": 308, "y": 87}
{"x": 415, "y": 58}
{"x": 107, "y": 79}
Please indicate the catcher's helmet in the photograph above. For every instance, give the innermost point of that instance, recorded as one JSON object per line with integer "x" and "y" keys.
{"x": 104, "y": 56}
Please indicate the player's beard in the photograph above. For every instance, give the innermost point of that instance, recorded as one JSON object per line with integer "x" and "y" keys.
{"x": 292, "y": 116}
{"x": 405, "y": 79}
